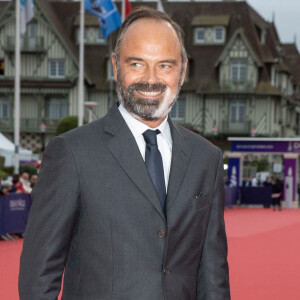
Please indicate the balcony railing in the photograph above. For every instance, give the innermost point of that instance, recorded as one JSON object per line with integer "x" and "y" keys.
{"x": 28, "y": 125}
{"x": 241, "y": 87}
{"x": 28, "y": 44}
{"x": 229, "y": 127}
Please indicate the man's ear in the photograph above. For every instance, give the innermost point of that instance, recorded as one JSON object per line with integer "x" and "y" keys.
{"x": 114, "y": 65}
{"x": 184, "y": 72}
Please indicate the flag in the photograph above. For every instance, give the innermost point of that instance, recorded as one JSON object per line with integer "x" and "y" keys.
{"x": 160, "y": 6}
{"x": 26, "y": 13}
{"x": 127, "y": 9}
{"x": 107, "y": 13}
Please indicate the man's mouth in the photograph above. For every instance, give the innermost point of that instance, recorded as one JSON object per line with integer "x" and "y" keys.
{"x": 150, "y": 94}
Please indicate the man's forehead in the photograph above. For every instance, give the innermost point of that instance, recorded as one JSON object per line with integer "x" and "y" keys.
{"x": 146, "y": 27}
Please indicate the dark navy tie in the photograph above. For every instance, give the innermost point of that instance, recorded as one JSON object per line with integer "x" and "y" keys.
{"x": 154, "y": 164}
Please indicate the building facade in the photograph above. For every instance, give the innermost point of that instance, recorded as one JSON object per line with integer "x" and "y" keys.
{"x": 241, "y": 79}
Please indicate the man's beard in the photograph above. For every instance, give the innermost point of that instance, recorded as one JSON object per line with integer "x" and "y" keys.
{"x": 146, "y": 108}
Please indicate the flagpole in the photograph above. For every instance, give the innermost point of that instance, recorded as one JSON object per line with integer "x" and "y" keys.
{"x": 111, "y": 97}
{"x": 81, "y": 65}
{"x": 123, "y": 10}
{"x": 17, "y": 88}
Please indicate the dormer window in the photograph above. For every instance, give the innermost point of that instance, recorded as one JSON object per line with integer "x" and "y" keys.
{"x": 100, "y": 38}
{"x": 199, "y": 35}
{"x": 238, "y": 70}
{"x": 219, "y": 34}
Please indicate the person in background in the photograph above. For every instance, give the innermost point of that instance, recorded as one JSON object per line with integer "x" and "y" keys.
{"x": 33, "y": 180}
{"x": 5, "y": 188}
{"x": 268, "y": 181}
{"x": 254, "y": 181}
{"x": 17, "y": 186}
{"x": 24, "y": 179}
{"x": 277, "y": 193}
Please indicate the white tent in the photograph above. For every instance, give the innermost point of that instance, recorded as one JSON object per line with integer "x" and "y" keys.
{"x": 7, "y": 149}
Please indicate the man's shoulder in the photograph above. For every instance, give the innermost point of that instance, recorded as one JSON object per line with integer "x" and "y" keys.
{"x": 85, "y": 130}
{"x": 82, "y": 136}
{"x": 195, "y": 139}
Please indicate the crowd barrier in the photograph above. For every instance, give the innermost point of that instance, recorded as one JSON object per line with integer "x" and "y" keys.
{"x": 256, "y": 195}
{"x": 14, "y": 210}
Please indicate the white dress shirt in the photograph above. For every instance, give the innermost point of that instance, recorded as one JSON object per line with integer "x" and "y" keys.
{"x": 164, "y": 139}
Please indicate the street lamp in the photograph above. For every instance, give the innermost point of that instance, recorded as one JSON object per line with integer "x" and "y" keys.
{"x": 43, "y": 128}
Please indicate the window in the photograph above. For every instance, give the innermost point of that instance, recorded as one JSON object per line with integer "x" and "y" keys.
{"x": 56, "y": 68}
{"x": 56, "y": 108}
{"x": 199, "y": 35}
{"x": 178, "y": 110}
{"x": 4, "y": 108}
{"x": 219, "y": 34}
{"x": 100, "y": 38}
{"x": 238, "y": 70}
{"x": 2, "y": 67}
{"x": 31, "y": 35}
{"x": 237, "y": 111}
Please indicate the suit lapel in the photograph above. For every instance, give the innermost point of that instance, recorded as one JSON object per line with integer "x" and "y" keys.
{"x": 181, "y": 154}
{"x": 123, "y": 147}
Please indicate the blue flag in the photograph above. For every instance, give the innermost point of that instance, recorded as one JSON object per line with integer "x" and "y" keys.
{"x": 27, "y": 13}
{"x": 107, "y": 13}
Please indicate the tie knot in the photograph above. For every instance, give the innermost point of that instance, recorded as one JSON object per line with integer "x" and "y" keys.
{"x": 150, "y": 136}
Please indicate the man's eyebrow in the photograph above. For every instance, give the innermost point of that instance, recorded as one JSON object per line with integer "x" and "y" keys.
{"x": 169, "y": 61}
{"x": 131, "y": 58}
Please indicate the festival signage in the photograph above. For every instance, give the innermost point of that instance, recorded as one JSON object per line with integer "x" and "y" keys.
{"x": 266, "y": 146}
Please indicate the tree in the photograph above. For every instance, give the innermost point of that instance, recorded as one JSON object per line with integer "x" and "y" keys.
{"x": 66, "y": 124}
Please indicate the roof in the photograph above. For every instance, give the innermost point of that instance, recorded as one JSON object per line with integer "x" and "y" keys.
{"x": 291, "y": 58}
{"x": 237, "y": 16}
{"x": 221, "y": 20}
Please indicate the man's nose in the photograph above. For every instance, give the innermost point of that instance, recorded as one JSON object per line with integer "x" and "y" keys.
{"x": 150, "y": 76}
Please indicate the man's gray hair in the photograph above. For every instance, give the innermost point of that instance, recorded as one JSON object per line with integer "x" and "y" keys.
{"x": 145, "y": 12}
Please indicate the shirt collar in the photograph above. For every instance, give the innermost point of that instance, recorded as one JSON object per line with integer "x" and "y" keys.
{"x": 138, "y": 128}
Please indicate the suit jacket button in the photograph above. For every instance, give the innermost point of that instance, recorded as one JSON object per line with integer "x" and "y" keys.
{"x": 166, "y": 271}
{"x": 161, "y": 233}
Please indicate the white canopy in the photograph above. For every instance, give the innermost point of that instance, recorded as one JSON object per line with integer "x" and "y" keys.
{"x": 7, "y": 149}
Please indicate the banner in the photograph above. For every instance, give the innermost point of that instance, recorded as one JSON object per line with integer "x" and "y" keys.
{"x": 107, "y": 13}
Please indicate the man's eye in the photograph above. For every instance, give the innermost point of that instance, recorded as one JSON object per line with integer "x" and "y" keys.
{"x": 165, "y": 66}
{"x": 137, "y": 65}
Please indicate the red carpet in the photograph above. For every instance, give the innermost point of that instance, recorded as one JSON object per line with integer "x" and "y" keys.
{"x": 264, "y": 256}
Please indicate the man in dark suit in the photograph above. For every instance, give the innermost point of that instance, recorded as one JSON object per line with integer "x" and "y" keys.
{"x": 131, "y": 206}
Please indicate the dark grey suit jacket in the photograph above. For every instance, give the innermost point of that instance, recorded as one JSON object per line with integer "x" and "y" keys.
{"x": 96, "y": 214}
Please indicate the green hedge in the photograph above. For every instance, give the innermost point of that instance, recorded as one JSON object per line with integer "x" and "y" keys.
{"x": 2, "y": 161}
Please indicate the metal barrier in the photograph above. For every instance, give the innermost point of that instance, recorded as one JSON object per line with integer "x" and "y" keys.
{"x": 14, "y": 210}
